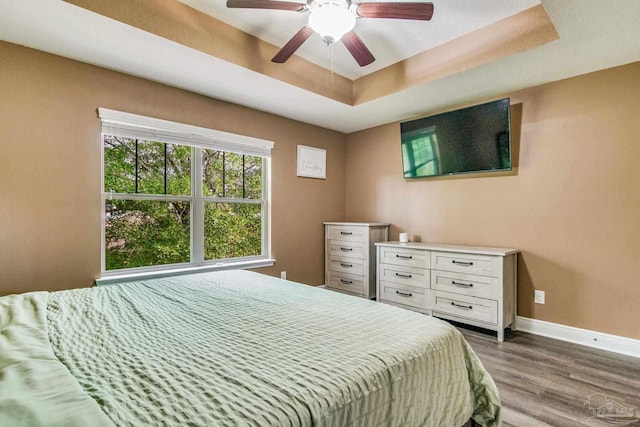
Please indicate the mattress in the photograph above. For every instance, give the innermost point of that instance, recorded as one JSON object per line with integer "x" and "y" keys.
{"x": 232, "y": 348}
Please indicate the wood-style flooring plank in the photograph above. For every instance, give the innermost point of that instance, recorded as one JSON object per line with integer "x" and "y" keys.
{"x": 546, "y": 382}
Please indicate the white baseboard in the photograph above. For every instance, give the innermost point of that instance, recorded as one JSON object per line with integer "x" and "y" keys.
{"x": 614, "y": 343}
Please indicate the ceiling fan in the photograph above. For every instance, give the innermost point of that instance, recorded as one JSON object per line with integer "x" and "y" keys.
{"x": 335, "y": 19}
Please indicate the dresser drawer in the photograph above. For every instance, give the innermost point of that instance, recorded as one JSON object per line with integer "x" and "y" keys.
{"x": 346, "y": 282}
{"x": 339, "y": 250}
{"x": 404, "y": 256}
{"x": 465, "y": 284}
{"x": 346, "y": 233}
{"x": 349, "y": 266}
{"x": 484, "y": 265}
{"x": 411, "y": 276}
{"x": 413, "y": 296}
{"x": 479, "y": 309}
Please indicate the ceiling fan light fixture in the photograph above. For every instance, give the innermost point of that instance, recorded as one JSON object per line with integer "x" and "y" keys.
{"x": 331, "y": 21}
{"x": 334, "y": 20}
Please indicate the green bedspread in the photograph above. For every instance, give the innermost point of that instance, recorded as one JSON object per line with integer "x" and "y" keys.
{"x": 232, "y": 348}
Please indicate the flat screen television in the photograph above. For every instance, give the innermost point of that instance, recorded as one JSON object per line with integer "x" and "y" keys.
{"x": 470, "y": 140}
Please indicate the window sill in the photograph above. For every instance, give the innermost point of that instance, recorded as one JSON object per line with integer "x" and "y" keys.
{"x": 118, "y": 278}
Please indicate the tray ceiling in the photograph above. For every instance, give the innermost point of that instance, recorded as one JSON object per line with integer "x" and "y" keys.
{"x": 593, "y": 35}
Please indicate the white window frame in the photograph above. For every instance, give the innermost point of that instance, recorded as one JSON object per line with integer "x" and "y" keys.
{"x": 122, "y": 124}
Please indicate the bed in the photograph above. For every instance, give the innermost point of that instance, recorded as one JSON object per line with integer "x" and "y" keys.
{"x": 232, "y": 348}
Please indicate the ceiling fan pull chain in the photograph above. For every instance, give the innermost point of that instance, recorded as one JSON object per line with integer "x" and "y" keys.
{"x": 330, "y": 57}
{"x": 332, "y": 54}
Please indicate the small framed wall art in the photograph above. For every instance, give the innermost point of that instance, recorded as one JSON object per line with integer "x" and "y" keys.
{"x": 312, "y": 162}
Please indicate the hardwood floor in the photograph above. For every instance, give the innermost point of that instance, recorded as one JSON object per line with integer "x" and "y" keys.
{"x": 546, "y": 382}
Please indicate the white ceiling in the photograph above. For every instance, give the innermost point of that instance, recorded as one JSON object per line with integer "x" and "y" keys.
{"x": 594, "y": 34}
{"x": 390, "y": 40}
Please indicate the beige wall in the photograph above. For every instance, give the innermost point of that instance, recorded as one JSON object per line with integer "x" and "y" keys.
{"x": 50, "y": 168}
{"x": 572, "y": 205}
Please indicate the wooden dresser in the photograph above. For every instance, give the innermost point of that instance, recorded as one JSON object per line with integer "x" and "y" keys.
{"x": 467, "y": 284}
{"x": 350, "y": 256}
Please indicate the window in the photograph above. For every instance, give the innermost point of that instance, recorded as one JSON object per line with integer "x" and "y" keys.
{"x": 420, "y": 153}
{"x": 179, "y": 196}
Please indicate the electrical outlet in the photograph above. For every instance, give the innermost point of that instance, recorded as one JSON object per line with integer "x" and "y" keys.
{"x": 283, "y": 274}
{"x": 538, "y": 297}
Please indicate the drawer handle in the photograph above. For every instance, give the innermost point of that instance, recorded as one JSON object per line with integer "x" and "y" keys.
{"x": 466, "y": 307}
{"x": 404, "y": 294}
{"x": 404, "y": 256}
{"x": 462, "y": 263}
{"x": 346, "y": 233}
{"x": 463, "y": 285}
{"x": 404, "y": 276}
{"x": 346, "y": 282}
{"x": 346, "y": 265}
{"x": 346, "y": 249}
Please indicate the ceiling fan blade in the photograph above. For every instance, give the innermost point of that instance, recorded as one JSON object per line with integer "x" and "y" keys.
{"x": 266, "y": 4}
{"x": 419, "y": 11}
{"x": 292, "y": 45}
{"x": 356, "y": 46}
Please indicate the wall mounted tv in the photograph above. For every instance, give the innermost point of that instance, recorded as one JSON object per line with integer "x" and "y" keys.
{"x": 469, "y": 140}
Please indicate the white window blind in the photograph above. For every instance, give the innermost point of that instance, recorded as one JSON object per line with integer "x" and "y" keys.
{"x": 128, "y": 125}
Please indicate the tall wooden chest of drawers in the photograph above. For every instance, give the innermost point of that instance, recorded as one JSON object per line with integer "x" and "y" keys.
{"x": 350, "y": 255}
